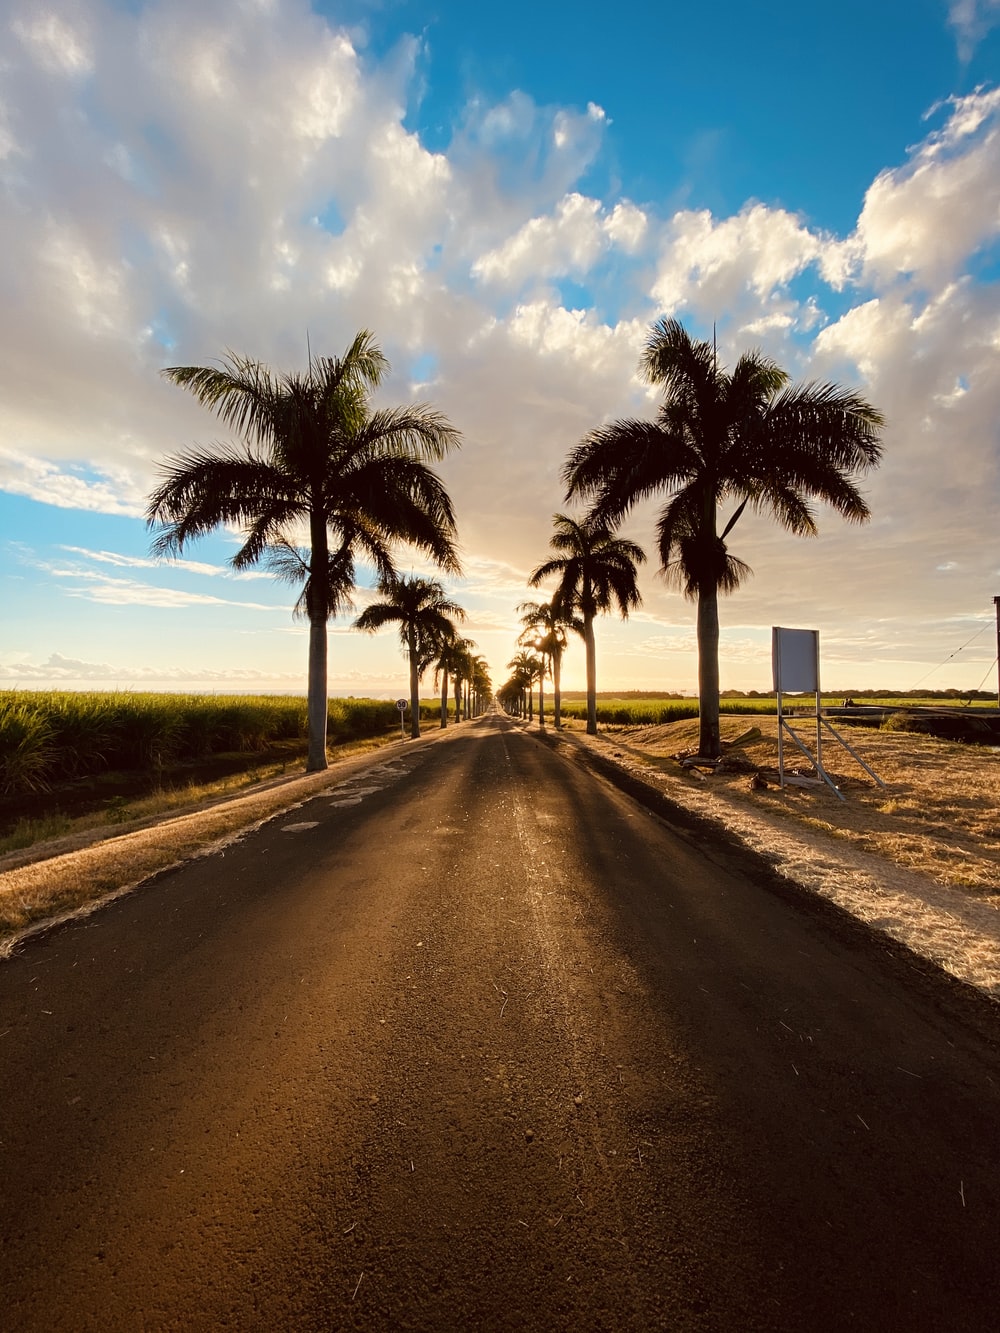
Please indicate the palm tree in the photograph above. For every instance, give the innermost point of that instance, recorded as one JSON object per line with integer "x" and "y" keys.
{"x": 482, "y": 685}
{"x": 426, "y": 620}
{"x": 596, "y": 571}
{"x": 451, "y": 659}
{"x": 315, "y": 455}
{"x": 545, "y": 625}
{"x": 463, "y": 670}
{"x": 510, "y": 696}
{"x": 748, "y": 437}
{"x": 543, "y": 645}
{"x": 527, "y": 668}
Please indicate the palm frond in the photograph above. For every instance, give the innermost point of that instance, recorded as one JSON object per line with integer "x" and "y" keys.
{"x": 417, "y": 431}
{"x": 204, "y": 490}
{"x": 242, "y": 392}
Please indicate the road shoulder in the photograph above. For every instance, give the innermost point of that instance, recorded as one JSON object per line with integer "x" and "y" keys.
{"x": 930, "y": 923}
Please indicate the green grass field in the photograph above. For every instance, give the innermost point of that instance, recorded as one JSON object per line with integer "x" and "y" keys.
{"x": 50, "y": 736}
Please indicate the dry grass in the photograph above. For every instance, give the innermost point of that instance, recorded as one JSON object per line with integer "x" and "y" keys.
{"x": 940, "y": 814}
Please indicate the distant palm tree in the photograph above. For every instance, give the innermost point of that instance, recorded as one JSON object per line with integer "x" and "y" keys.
{"x": 545, "y": 625}
{"x": 481, "y": 684}
{"x": 463, "y": 670}
{"x": 596, "y": 572}
{"x": 426, "y": 619}
{"x": 746, "y": 436}
{"x": 452, "y": 656}
{"x": 527, "y": 668}
{"x": 543, "y": 644}
{"x": 316, "y": 455}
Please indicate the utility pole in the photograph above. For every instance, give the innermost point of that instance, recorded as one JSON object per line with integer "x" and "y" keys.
{"x": 996, "y": 603}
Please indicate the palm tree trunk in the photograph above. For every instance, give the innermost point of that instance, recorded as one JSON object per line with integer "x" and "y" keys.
{"x": 541, "y": 696}
{"x": 316, "y": 707}
{"x": 414, "y": 687}
{"x": 709, "y": 741}
{"x": 556, "y": 690}
{"x": 444, "y": 698}
{"x": 458, "y": 698}
{"x": 588, "y": 639}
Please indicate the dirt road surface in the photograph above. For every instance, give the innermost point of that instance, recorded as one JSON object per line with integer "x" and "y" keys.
{"x": 475, "y": 1042}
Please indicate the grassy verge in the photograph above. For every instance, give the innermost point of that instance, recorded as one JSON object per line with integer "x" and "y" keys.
{"x": 58, "y": 878}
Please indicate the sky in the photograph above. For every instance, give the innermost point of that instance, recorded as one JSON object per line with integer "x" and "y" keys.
{"x": 508, "y": 196}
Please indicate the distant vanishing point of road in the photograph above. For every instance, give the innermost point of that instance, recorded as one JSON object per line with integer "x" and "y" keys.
{"x": 474, "y": 1042}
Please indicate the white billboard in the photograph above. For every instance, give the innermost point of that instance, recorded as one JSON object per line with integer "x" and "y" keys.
{"x": 795, "y": 659}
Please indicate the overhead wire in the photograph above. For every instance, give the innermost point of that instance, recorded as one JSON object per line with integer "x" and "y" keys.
{"x": 965, "y": 645}
{"x": 989, "y": 671}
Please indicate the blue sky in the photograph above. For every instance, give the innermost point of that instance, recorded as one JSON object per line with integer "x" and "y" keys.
{"x": 508, "y": 196}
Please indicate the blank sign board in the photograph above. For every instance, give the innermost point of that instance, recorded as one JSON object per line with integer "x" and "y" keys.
{"x": 795, "y": 659}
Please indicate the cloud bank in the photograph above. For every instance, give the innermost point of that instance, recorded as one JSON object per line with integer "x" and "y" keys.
{"x": 178, "y": 178}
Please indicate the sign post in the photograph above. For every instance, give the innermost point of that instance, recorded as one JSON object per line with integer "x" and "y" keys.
{"x": 401, "y": 705}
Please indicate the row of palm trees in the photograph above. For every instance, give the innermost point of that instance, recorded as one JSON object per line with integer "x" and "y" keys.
{"x": 746, "y": 438}
{"x": 315, "y": 457}
{"x": 428, "y": 633}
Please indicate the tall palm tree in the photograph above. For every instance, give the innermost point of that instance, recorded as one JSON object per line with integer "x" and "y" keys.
{"x": 545, "y": 624}
{"x": 596, "y": 571}
{"x": 748, "y": 437}
{"x": 315, "y": 456}
{"x": 426, "y": 619}
{"x": 463, "y": 669}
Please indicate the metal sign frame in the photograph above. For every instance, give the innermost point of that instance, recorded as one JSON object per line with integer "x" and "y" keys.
{"x": 795, "y": 667}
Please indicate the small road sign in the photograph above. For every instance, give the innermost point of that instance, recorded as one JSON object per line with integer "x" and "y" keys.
{"x": 401, "y": 705}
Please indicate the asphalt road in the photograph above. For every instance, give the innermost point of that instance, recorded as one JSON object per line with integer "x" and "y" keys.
{"x": 476, "y": 1042}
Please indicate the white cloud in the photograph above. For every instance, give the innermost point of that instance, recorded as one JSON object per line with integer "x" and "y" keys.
{"x": 972, "y": 19}
{"x": 144, "y": 562}
{"x": 58, "y": 44}
{"x": 195, "y": 175}
{"x": 627, "y": 226}
{"x": 41, "y": 480}
{"x": 927, "y": 218}
{"x": 128, "y": 592}
{"x": 568, "y": 242}
{"x": 59, "y": 669}
{"x": 710, "y": 263}
{"x": 95, "y": 586}
{"x": 865, "y": 336}
{"x": 571, "y": 240}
